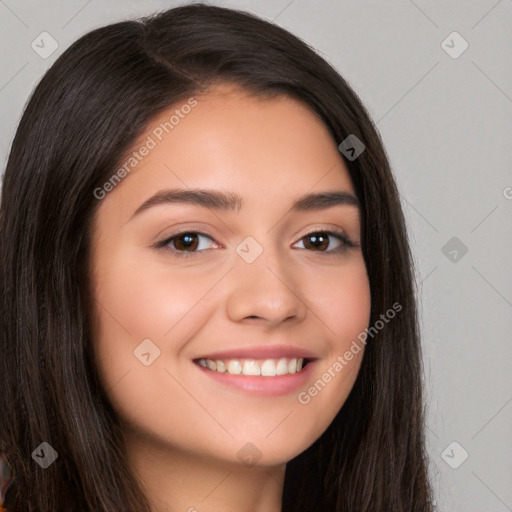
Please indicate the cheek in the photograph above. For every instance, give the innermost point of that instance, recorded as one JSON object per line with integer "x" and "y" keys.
{"x": 139, "y": 299}
{"x": 136, "y": 301}
{"x": 344, "y": 313}
{"x": 147, "y": 299}
{"x": 341, "y": 301}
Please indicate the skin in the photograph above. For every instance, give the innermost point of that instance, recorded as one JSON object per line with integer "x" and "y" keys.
{"x": 183, "y": 429}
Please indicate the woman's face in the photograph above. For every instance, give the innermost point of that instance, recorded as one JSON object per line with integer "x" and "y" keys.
{"x": 255, "y": 286}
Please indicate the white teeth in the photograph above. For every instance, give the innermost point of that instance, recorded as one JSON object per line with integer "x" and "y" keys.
{"x": 251, "y": 368}
{"x": 282, "y": 367}
{"x": 266, "y": 368}
{"x": 234, "y": 367}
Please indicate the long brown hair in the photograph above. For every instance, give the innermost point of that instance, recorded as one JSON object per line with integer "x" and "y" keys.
{"x": 83, "y": 116}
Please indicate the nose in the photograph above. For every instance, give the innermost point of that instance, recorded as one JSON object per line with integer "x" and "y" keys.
{"x": 266, "y": 290}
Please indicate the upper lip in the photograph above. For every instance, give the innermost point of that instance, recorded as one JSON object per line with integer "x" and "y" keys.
{"x": 261, "y": 352}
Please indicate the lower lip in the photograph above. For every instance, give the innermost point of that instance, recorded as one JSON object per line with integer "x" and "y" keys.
{"x": 262, "y": 386}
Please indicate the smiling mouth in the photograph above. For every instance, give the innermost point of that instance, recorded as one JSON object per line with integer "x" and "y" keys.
{"x": 255, "y": 367}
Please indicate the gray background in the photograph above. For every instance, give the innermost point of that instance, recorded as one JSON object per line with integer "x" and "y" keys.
{"x": 446, "y": 125}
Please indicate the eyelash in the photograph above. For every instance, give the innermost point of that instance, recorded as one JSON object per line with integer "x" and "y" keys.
{"x": 346, "y": 243}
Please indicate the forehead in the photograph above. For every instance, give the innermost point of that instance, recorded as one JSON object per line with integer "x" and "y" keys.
{"x": 267, "y": 150}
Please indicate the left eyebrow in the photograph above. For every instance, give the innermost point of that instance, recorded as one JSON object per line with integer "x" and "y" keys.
{"x": 231, "y": 201}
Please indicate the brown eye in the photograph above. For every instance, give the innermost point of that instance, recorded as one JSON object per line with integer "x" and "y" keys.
{"x": 186, "y": 242}
{"x": 319, "y": 241}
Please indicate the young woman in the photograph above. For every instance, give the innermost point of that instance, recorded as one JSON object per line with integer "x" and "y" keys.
{"x": 208, "y": 301}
